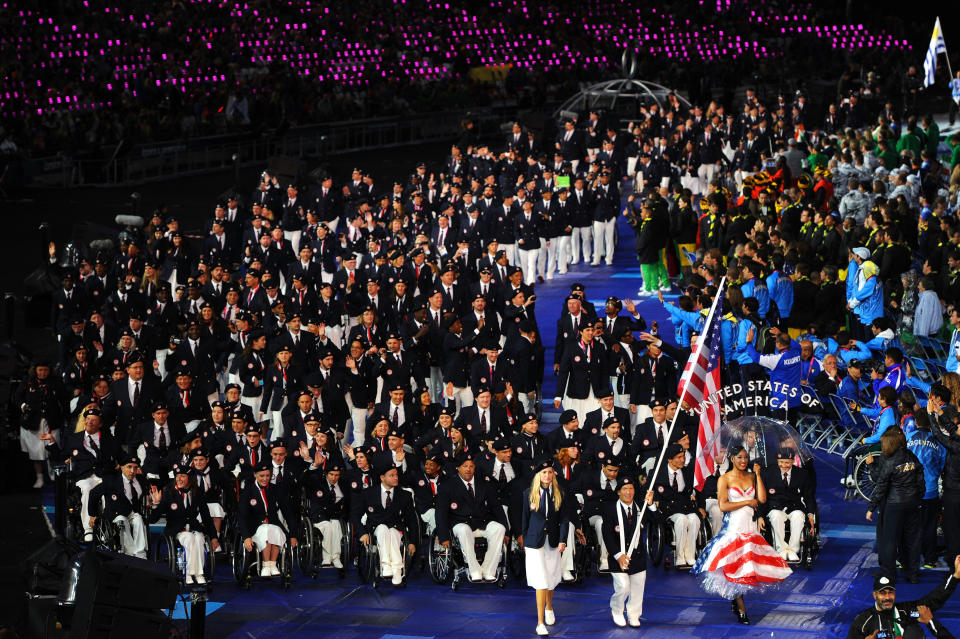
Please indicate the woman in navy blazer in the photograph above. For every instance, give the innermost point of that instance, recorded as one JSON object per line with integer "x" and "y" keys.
{"x": 544, "y": 529}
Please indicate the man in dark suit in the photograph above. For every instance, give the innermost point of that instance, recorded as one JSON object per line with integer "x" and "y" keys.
{"x": 674, "y": 499}
{"x": 628, "y": 569}
{"x": 789, "y": 497}
{"x": 581, "y": 374}
{"x": 387, "y": 512}
{"x": 593, "y": 424}
{"x": 135, "y": 397}
{"x": 482, "y": 422}
{"x": 655, "y": 375}
{"x": 651, "y": 436}
{"x": 123, "y": 504}
{"x": 68, "y": 301}
{"x": 568, "y": 327}
{"x": 485, "y": 370}
{"x": 568, "y": 433}
{"x": 93, "y": 454}
{"x": 467, "y": 507}
{"x": 153, "y": 441}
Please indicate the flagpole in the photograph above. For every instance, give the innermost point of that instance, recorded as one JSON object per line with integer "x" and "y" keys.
{"x": 656, "y": 469}
{"x": 945, "y": 54}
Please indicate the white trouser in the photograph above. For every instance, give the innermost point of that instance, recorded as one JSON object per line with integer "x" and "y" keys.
{"x": 778, "y": 521}
{"x": 192, "y": 424}
{"x": 435, "y": 383}
{"x": 133, "y": 535}
{"x": 335, "y": 335}
{"x": 161, "y": 356}
{"x": 332, "y": 532}
{"x": 294, "y": 238}
{"x": 628, "y": 589}
{"x": 494, "y": 533}
{"x": 706, "y": 173}
{"x": 632, "y": 164}
{"x": 192, "y": 543}
{"x": 254, "y": 404}
{"x": 582, "y": 235}
{"x": 581, "y": 406}
{"x": 327, "y": 278}
{"x": 715, "y": 515}
{"x": 528, "y": 402}
{"x": 686, "y": 527}
{"x": 511, "y": 251}
{"x": 563, "y": 252}
{"x": 391, "y": 554}
{"x": 85, "y": 486}
{"x": 358, "y": 416}
{"x": 429, "y": 518}
{"x": 276, "y": 421}
{"x": 547, "y": 260}
{"x": 597, "y": 522}
{"x": 528, "y": 264}
{"x": 566, "y": 558}
{"x": 620, "y": 400}
{"x": 462, "y": 397}
{"x": 603, "y": 240}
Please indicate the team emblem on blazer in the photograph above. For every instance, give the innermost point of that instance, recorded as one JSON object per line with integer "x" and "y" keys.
{"x": 370, "y": 509}
{"x": 173, "y": 506}
{"x": 75, "y": 452}
{"x": 423, "y": 483}
{"x": 659, "y": 489}
{"x": 772, "y": 491}
{"x": 453, "y": 505}
{"x": 113, "y": 497}
{"x": 576, "y": 358}
{"x": 601, "y": 455}
{"x": 253, "y": 502}
{"x": 646, "y": 442}
{"x": 353, "y": 484}
{"x": 520, "y": 449}
{"x": 616, "y": 529}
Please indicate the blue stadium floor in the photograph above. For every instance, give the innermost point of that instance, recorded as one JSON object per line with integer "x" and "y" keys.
{"x": 818, "y": 603}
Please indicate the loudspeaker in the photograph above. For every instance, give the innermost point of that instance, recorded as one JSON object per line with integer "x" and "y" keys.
{"x": 109, "y": 622}
{"x": 113, "y": 579}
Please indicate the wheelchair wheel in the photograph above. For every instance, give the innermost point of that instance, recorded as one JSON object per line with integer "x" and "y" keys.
{"x": 502, "y": 571}
{"x": 656, "y": 542}
{"x": 348, "y": 544}
{"x": 210, "y": 562}
{"x": 581, "y": 560}
{"x": 809, "y": 547}
{"x": 516, "y": 559}
{"x": 438, "y": 560}
{"x": 286, "y": 565}
{"x": 368, "y": 563}
{"x": 106, "y": 534}
{"x": 862, "y": 480}
{"x": 308, "y": 540}
{"x": 241, "y": 562}
{"x": 165, "y": 552}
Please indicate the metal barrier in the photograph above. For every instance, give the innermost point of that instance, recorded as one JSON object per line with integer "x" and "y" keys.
{"x": 152, "y": 162}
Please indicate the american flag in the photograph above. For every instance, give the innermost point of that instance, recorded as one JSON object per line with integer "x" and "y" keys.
{"x": 699, "y": 382}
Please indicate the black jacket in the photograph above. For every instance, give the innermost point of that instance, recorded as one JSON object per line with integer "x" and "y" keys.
{"x": 898, "y": 479}
{"x": 865, "y": 623}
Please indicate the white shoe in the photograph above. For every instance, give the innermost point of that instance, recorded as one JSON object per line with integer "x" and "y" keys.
{"x": 87, "y": 537}
{"x": 609, "y": 263}
{"x": 337, "y": 563}
{"x": 542, "y": 630}
{"x": 604, "y": 565}
{"x": 200, "y": 579}
{"x": 39, "y": 483}
{"x": 274, "y": 571}
{"x": 567, "y": 576}
{"x": 549, "y": 618}
{"x": 634, "y": 622}
{"x": 619, "y": 620}
{"x": 792, "y": 556}
{"x": 490, "y": 576}
{"x": 264, "y": 570}
{"x": 397, "y": 579}
{"x": 476, "y": 576}
{"x": 691, "y": 561}
{"x": 666, "y": 289}
{"x": 594, "y": 263}
{"x": 386, "y": 572}
{"x": 783, "y": 554}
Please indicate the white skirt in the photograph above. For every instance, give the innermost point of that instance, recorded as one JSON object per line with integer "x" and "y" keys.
{"x": 32, "y": 445}
{"x": 543, "y": 567}
{"x": 215, "y": 510}
{"x": 269, "y": 534}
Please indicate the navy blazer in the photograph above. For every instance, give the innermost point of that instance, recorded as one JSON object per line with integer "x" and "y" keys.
{"x": 543, "y": 525}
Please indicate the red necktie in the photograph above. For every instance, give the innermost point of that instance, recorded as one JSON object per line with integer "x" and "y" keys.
{"x": 253, "y": 462}
{"x": 186, "y": 399}
{"x": 369, "y": 336}
{"x": 433, "y": 487}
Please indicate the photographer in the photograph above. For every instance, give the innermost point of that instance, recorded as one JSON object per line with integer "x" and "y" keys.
{"x": 888, "y": 619}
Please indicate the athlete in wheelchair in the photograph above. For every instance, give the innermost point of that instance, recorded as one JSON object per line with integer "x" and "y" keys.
{"x": 676, "y": 511}
{"x": 427, "y": 484}
{"x": 217, "y": 487}
{"x": 707, "y": 496}
{"x": 325, "y": 531}
{"x": 467, "y": 509}
{"x": 386, "y": 521}
{"x": 188, "y": 527}
{"x": 598, "y": 488}
{"x": 789, "y": 502}
{"x": 265, "y": 517}
{"x": 117, "y": 508}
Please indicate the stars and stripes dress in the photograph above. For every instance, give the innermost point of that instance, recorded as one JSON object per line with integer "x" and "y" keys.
{"x": 738, "y": 560}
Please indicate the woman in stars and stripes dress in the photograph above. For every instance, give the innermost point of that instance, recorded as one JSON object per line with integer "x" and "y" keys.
{"x": 738, "y": 560}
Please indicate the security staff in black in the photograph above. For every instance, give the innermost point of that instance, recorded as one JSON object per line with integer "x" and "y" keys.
{"x": 898, "y": 487}
{"x": 628, "y": 569}
{"x": 943, "y": 427}
{"x": 903, "y": 619}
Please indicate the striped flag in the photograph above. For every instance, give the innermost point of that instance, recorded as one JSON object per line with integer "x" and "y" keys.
{"x": 937, "y": 46}
{"x": 698, "y": 386}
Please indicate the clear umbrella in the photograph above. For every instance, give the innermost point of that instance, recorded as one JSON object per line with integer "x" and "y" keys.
{"x": 762, "y": 437}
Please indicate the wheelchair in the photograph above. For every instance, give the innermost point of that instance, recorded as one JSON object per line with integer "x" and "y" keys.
{"x": 367, "y": 556}
{"x": 74, "y": 527}
{"x": 449, "y": 564}
{"x": 309, "y": 550}
{"x": 809, "y": 543}
{"x": 661, "y": 546}
{"x": 168, "y": 551}
{"x": 862, "y": 486}
{"x": 247, "y": 563}
{"x": 106, "y": 535}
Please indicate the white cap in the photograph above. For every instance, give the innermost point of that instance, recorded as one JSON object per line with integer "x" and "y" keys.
{"x": 862, "y": 252}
